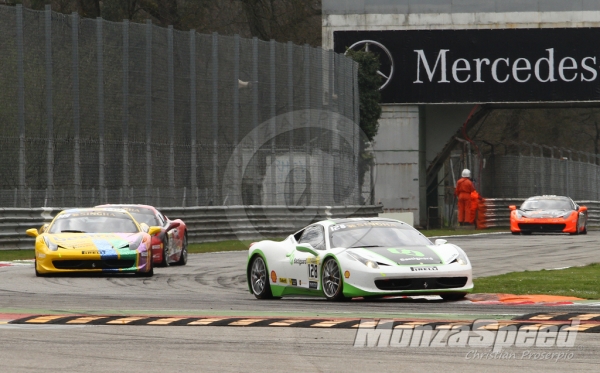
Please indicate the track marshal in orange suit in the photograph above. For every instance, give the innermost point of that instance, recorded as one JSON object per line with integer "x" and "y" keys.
{"x": 463, "y": 190}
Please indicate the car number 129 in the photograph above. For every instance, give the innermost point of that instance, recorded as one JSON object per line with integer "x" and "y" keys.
{"x": 312, "y": 271}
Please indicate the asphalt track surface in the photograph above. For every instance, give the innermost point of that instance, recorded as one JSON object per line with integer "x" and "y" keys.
{"x": 215, "y": 285}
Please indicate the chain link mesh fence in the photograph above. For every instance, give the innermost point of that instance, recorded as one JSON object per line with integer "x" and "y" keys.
{"x": 522, "y": 170}
{"x": 94, "y": 112}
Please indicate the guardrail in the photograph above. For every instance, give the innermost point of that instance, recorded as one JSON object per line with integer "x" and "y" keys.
{"x": 205, "y": 224}
{"x": 498, "y": 214}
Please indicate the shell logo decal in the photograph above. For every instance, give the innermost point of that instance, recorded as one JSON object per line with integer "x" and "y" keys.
{"x": 273, "y": 276}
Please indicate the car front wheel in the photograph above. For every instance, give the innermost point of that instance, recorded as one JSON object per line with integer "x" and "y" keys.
{"x": 331, "y": 277}
{"x": 184, "y": 252}
{"x": 259, "y": 279}
{"x": 165, "y": 252}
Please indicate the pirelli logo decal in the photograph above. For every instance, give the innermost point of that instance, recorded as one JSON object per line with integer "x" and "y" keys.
{"x": 589, "y": 323}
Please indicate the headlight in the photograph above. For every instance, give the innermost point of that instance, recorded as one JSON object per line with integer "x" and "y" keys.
{"x": 568, "y": 214}
{"x": 368, "y": 262}
{"x": 462, "y": 258}
{"x": 135, "y": 244}
{"x": 50, "y": 245}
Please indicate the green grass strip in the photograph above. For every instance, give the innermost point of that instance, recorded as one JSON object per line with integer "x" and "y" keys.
{"x": 581, "y": 282}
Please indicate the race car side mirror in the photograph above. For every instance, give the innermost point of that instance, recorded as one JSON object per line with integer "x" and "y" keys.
{"x": 173, "y": 225}
{"x": 154, "y": 230}
{"x": 33, "y": 232}
{"x": 582, "y": 209}
{"x": 440, "y": 241}
{"x": 307, "y": 248}
{"x": 512, "y": 207}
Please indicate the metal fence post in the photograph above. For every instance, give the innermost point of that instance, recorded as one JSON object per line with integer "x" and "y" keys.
{"x": 126, "y": 104}
{"x": 215, "y": 114}
{"x": 356, "y": 133}
{"x": 290, "y": 110}
{"x": 193, "y": 124}
{"x": 148, "y": 110}
{"x": 256, "y": 199}
{"x": 21, "y": 104}
{"x": 273, "y": 123}
{"x": 100, "y": 64}
{"x": 171, "y": 118}
{"x": 49, "y": 113}
{"x": 307, "y": 169}
{"x": 237, "y": 175}
{"x": 76, "y": 124}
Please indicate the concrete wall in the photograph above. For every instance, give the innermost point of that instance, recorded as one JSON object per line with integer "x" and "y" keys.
{"x": 396, "y": 149}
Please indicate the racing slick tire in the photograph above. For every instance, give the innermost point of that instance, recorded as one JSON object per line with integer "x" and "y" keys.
{"x": 584, "y": 231}
{"x": 259, "y": 278}
{"x": 184, "y": 253}
{"x": 453, "y": 296}
{"x": 331, "y": 278}
{"x": 165, "y": 252}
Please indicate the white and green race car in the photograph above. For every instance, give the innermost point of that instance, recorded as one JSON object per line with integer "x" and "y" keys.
{"x": 358, "y": 257}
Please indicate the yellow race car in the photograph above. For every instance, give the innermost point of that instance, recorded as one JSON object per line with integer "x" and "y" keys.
{"x": 93, "y": 240}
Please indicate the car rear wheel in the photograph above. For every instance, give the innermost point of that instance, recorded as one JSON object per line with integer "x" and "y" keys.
{"x": 259, "y": 279}
{"x": 184, "y": 253}
{"x": 453, "y": 296}
{"x": 331, "y": 277}
{"x": 165, "y": 252}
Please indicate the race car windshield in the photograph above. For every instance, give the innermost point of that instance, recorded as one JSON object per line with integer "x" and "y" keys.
{"x": 148, "y": 218}
{"x": 90, "y": 223}
{"x": 546, "y": 204}
{"x": 369, "y": 235}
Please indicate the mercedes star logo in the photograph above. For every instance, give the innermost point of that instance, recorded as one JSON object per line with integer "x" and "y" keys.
{"x": 387, "y": 62}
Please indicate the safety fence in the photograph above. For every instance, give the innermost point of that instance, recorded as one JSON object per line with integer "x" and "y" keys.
{"x": 205, "y": 224}
{"x": 98, "y": 112}
{"x": 497, "y": 213}
{"x": 523, "y": 170}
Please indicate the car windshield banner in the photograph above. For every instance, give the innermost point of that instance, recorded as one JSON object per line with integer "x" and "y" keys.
{"x": 479, "y": 66}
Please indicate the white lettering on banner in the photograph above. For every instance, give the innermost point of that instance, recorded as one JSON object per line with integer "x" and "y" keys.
{"x": 516, "y": 69}
{"x": 562, "y": 68}
{"x": 495, "y": 70}
{"x": 520, "y": 70}
{"x": 588, "y": 68}
{"x": 478, "y": 62}
{"x": 550, "y": 61}
{"x": 456, "y": 69}
{"x": 441, "y": 57}
{"x": 480, "y": 334}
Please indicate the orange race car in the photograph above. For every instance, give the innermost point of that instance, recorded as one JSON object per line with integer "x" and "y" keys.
{"x": 554, "y": 214}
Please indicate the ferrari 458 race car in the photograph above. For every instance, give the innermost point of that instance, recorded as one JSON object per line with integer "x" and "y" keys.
{"x": 93, "y": 240}
{"x": 548, "y": 214}
{"x": 169, "y": 246}
{"x": 358, "y": 257}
